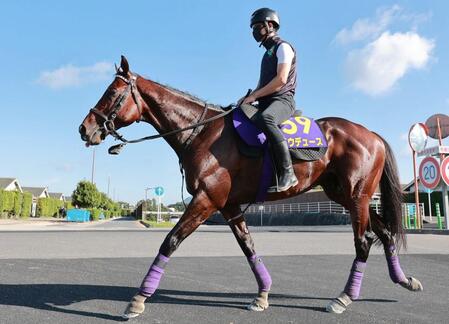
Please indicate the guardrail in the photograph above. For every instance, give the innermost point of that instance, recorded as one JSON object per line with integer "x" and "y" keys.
{"x": 312, "y": 207}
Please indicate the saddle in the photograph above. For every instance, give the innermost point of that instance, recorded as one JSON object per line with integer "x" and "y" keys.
{"x": 304, "y": 136}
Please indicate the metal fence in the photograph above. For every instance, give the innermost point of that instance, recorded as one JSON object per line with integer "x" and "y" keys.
{"x": 318, "y": 207}
{"x": 312, "y": 207}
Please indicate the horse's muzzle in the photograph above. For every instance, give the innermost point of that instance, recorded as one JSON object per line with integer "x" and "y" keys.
{"x": 82, "y": 130}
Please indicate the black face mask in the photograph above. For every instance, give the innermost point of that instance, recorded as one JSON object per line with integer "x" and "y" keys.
{"x": 257, "y": 34}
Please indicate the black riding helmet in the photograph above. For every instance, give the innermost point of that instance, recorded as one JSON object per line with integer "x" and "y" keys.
{"x": 264, "y": 15}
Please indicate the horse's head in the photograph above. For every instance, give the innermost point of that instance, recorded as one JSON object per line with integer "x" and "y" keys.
{"x": 119, "y": 106}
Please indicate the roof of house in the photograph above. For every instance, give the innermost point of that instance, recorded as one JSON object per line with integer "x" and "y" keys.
{"x": 35, "y": 191}
{"x": 56, "y": 195}
{"x": 5, "y": 182}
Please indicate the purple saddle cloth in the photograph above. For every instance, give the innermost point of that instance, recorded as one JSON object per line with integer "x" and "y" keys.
{"x": 300, "y": 133}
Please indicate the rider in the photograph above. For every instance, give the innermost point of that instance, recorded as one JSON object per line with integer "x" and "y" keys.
{"x": 274, "y": 92}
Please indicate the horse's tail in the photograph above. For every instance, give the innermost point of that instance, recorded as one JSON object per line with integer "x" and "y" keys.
{"x": 391, "y": 198}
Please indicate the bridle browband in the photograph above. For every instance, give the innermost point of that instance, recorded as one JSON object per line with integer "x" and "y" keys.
{"x": 109, "y": 126}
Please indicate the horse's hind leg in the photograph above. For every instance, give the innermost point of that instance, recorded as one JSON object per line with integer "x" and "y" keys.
{"x": 199, "y": 209}
{"x": 394, "y": 267}
{"x": 360, "y": 217}
{"x": 238, "y": 226}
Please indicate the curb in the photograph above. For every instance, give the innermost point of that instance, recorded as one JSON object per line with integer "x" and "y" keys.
{"x": 427, "y": 231}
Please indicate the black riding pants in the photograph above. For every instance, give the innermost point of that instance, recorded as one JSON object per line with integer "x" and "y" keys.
{"x": 272, "y": 112}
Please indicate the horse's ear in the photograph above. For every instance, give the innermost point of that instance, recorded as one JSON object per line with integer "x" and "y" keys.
{"x": 124, "y": 65}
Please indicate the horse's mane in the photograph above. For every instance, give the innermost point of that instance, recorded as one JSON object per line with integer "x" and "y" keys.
{"x": 188, "y": 96}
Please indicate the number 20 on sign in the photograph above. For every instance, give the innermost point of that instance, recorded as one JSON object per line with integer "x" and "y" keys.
{"x": 429, "y": 172}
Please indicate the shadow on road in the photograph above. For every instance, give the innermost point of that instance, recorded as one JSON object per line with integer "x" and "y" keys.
{"x": 54, "y": 297}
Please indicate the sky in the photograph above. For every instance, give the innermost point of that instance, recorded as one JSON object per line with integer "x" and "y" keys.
{"x": 382, "y": 64}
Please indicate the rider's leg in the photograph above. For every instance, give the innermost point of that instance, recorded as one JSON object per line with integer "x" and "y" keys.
{"x": 271, "y": 115}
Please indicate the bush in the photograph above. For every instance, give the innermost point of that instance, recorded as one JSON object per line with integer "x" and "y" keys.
{"x": 95, "y": 213}
{"x": 27, "y": 201}
{"x": 17, "y": 208}
{"x": 14, "y": 203}
{"x": 49, "y": 207}
{"x": 7, "y": 201}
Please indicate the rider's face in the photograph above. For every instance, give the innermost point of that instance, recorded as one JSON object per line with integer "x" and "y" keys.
{"x": 261, "y": 27}
{"x": 259, "y": 32}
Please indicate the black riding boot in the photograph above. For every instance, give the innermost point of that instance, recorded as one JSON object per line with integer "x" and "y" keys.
{"x": 284, "y": 168}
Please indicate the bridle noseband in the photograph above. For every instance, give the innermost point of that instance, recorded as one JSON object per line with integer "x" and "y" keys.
{"x": 108, "y": 120}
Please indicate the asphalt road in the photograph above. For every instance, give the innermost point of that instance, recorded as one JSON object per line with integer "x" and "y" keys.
{"x": 39, "y": 284}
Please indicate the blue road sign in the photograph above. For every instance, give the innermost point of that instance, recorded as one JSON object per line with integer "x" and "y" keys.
{"x": 159, "y": 191}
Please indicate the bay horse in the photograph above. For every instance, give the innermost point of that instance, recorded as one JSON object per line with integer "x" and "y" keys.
{"x": 219, "y": 178}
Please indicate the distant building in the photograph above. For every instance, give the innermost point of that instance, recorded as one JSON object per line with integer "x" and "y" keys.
{"x": 10, "y": 184}
{"x": 57, "y": 195}
{"x": 37, "y": 192}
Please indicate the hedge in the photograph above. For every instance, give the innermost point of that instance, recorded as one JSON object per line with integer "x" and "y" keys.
{"x": 95, "y": 213}
{"x": 27, "y": 202}
{"x": 14, "y": 203}
{"x": 49, "y": 207}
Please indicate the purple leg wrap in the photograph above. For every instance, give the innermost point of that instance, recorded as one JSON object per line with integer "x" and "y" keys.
{"x": 394, "y": 268}
{"x": 154, "y": 275}
{"x": 260, "y": 271}
{"x": 352, "y": 288}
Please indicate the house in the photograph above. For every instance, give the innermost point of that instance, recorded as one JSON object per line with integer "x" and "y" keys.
{"x": 57, "y": 195}
{"x": 10, "y": 184}
{"x": 37, "y": 192}
{"x": 410, "y": 187}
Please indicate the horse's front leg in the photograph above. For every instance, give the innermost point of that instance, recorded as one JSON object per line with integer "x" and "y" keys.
{"x": 199, "y": 209}
{"x": 238, "y": 226}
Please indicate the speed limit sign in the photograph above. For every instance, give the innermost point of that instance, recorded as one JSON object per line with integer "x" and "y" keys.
{"x": 445, "y": 170}
{"x": 429, "y": 172}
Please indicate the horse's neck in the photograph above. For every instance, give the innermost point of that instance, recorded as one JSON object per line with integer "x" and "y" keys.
{"x": 169, "y": 110}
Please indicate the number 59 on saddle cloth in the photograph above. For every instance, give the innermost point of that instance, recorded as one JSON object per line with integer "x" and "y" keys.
{"x": 303, "y": 135}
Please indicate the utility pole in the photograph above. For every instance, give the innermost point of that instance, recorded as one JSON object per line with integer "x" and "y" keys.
{"x": 93, "y": 165}
{"x": 109, "y": 184}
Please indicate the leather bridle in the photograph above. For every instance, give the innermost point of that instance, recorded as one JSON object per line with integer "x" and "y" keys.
{"x": 109, "y": 126}
{"x": 108, "y": 120}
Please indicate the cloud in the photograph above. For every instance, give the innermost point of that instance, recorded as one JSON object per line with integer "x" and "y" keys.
{"x": 368, "y": 28}
{"x": 378, "y": 66}
{"x": 71, "y": 76}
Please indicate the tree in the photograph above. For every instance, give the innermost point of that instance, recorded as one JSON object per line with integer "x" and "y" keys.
{"x": 179, "y": 206}
{"x": 86, "y": 195}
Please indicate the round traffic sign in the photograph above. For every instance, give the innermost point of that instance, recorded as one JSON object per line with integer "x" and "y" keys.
{"x": 433, "y": 122}
{"x": 429, "y": 172}
{"x": 159, "y": 191}
{"x": 417, "y": 137}
{"x": 445, "y": 170}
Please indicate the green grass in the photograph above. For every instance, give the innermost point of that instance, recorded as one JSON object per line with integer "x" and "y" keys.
{"x": 159, "y": 225}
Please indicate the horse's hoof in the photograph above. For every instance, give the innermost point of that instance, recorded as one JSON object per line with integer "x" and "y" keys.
{"x": 135, "y": 307}
{"x": 260, "y": 303}
{"x": 412, "y": 284}
{"x": 339, "y": 304}
{"x": 257, "y": 307}
{"x": 129, "y": 315}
